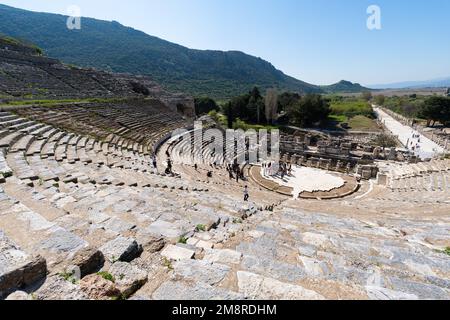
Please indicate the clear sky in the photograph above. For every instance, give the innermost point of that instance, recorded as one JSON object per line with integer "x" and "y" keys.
{"x": 318, "y": 41}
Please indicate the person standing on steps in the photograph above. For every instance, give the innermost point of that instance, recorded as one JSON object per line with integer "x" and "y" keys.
{"x": 155, "y": 163}
{"x": 246, "y": 195}
{"x": 169, "y": 166}
{"x": 230, "y": 174}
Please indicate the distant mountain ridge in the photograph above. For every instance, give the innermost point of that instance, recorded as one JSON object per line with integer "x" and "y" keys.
{"x": 435, "y": 83}
{"x": 113, "y": 47}
{"x": 344, "y": 86}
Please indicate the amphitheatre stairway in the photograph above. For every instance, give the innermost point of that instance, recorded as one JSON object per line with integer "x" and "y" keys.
{"x": 81, "y": 191}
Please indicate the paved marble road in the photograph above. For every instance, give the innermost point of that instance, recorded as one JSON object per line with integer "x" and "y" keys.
{"x": 427, "y": 148}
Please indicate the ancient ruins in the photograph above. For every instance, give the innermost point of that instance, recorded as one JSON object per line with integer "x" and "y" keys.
{"x": 85, "y": 214}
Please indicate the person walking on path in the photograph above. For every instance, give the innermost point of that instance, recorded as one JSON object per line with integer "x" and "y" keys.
{"x": 246, "y": 195}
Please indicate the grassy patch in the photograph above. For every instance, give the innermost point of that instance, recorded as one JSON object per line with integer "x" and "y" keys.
{"x": 362, "y": 123}
{"x": 120, "y": 297}
{"x": 107, "y": 276}
{"x": 338, "y": 118}
{"x": 68, "y": 276}
{"x": 356, "y": 113}
{"x": 200, "y": 227}
{"x": 60, "y": 101}
{"x": 168, "y": 264}
{"x": 237, "y": 221}
{"x": 239, "y": 124}
{"x": 182, "y": 240}
{"x": 351, "y": 108}
{"x": 447, "y": 251}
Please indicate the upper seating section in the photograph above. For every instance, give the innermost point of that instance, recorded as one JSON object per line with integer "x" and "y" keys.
{"x": 141, "y": 122}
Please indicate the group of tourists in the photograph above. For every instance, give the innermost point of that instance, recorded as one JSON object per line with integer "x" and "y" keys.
{"x": 168, "y": 169}
{"x": 413, "y": 143}
{"x": 235, "y": 171}
{"x": 283, "y": 169}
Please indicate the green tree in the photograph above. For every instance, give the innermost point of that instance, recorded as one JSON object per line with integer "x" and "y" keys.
{"x": 367, "y": 95}
{"x": 228, "y": 110}
{"x": 248, "y": 107}
{"x": 309, "y": 110}
{"x": 286, "y": 100}
{"x": 254, "y": 111}
{"x": 435, "y": 109}
{"x": 385, "y": 141}
{"x": 204, "y": 105}
{"x": 380, "y": 99}
{"x": 271, "y": 105}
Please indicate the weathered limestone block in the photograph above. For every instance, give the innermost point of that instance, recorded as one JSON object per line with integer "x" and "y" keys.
{"x": 98, "y": 288}
{"x": 57, "y": 288}
{"x": 62, "y": 240}
{"x": 202, "y": 271}
{"x": 226, "y": 256}
{"x": 128, "y": 278}
{"x": 314, "y": 267}
{"x": 204, "y": 244}
{"x": 18, "y": 269}
{"x": 89, "y": 260}
{"x": 379, "y": 293}
{"x": 177, "y": 290}
{"x": 177, "y": 253}
{"x": 166, "y": 229}
{"x": 121, "y": 249}
{"x": 316, "y": 239}
{"x": 151, "y": 243}
{"x": 255, "y": 286}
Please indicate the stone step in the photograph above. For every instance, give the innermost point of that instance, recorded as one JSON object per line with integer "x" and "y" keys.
{"x": 23, "y": 143}
{"x": 36, "y": 147}
{"x": 32, "y": 128}
{"x": 18, "y": 269}
{"x": 20, "y": 167}
{"x": 22, "y": 126}
{"x": 7, "y": 117}
{"x": 10, "y": 123}
{"x": 10, "y": 139}
{"x": 34, "y": 233}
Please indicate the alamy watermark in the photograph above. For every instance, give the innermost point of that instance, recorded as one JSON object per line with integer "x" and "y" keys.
{"x": 374, "y": 19}
{"x": 74, "y": 19}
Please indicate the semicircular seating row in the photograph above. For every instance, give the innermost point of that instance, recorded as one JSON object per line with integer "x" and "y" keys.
{"x": 67, "y": 191}
{"x": 185, "y": 151}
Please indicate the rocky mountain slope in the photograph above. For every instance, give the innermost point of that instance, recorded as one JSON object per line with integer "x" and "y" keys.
{"x": 112, "y": 46}
{"x": 26, "y": 74}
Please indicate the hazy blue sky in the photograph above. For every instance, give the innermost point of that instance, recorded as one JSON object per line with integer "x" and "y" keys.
{"x": 319, "y": 41}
